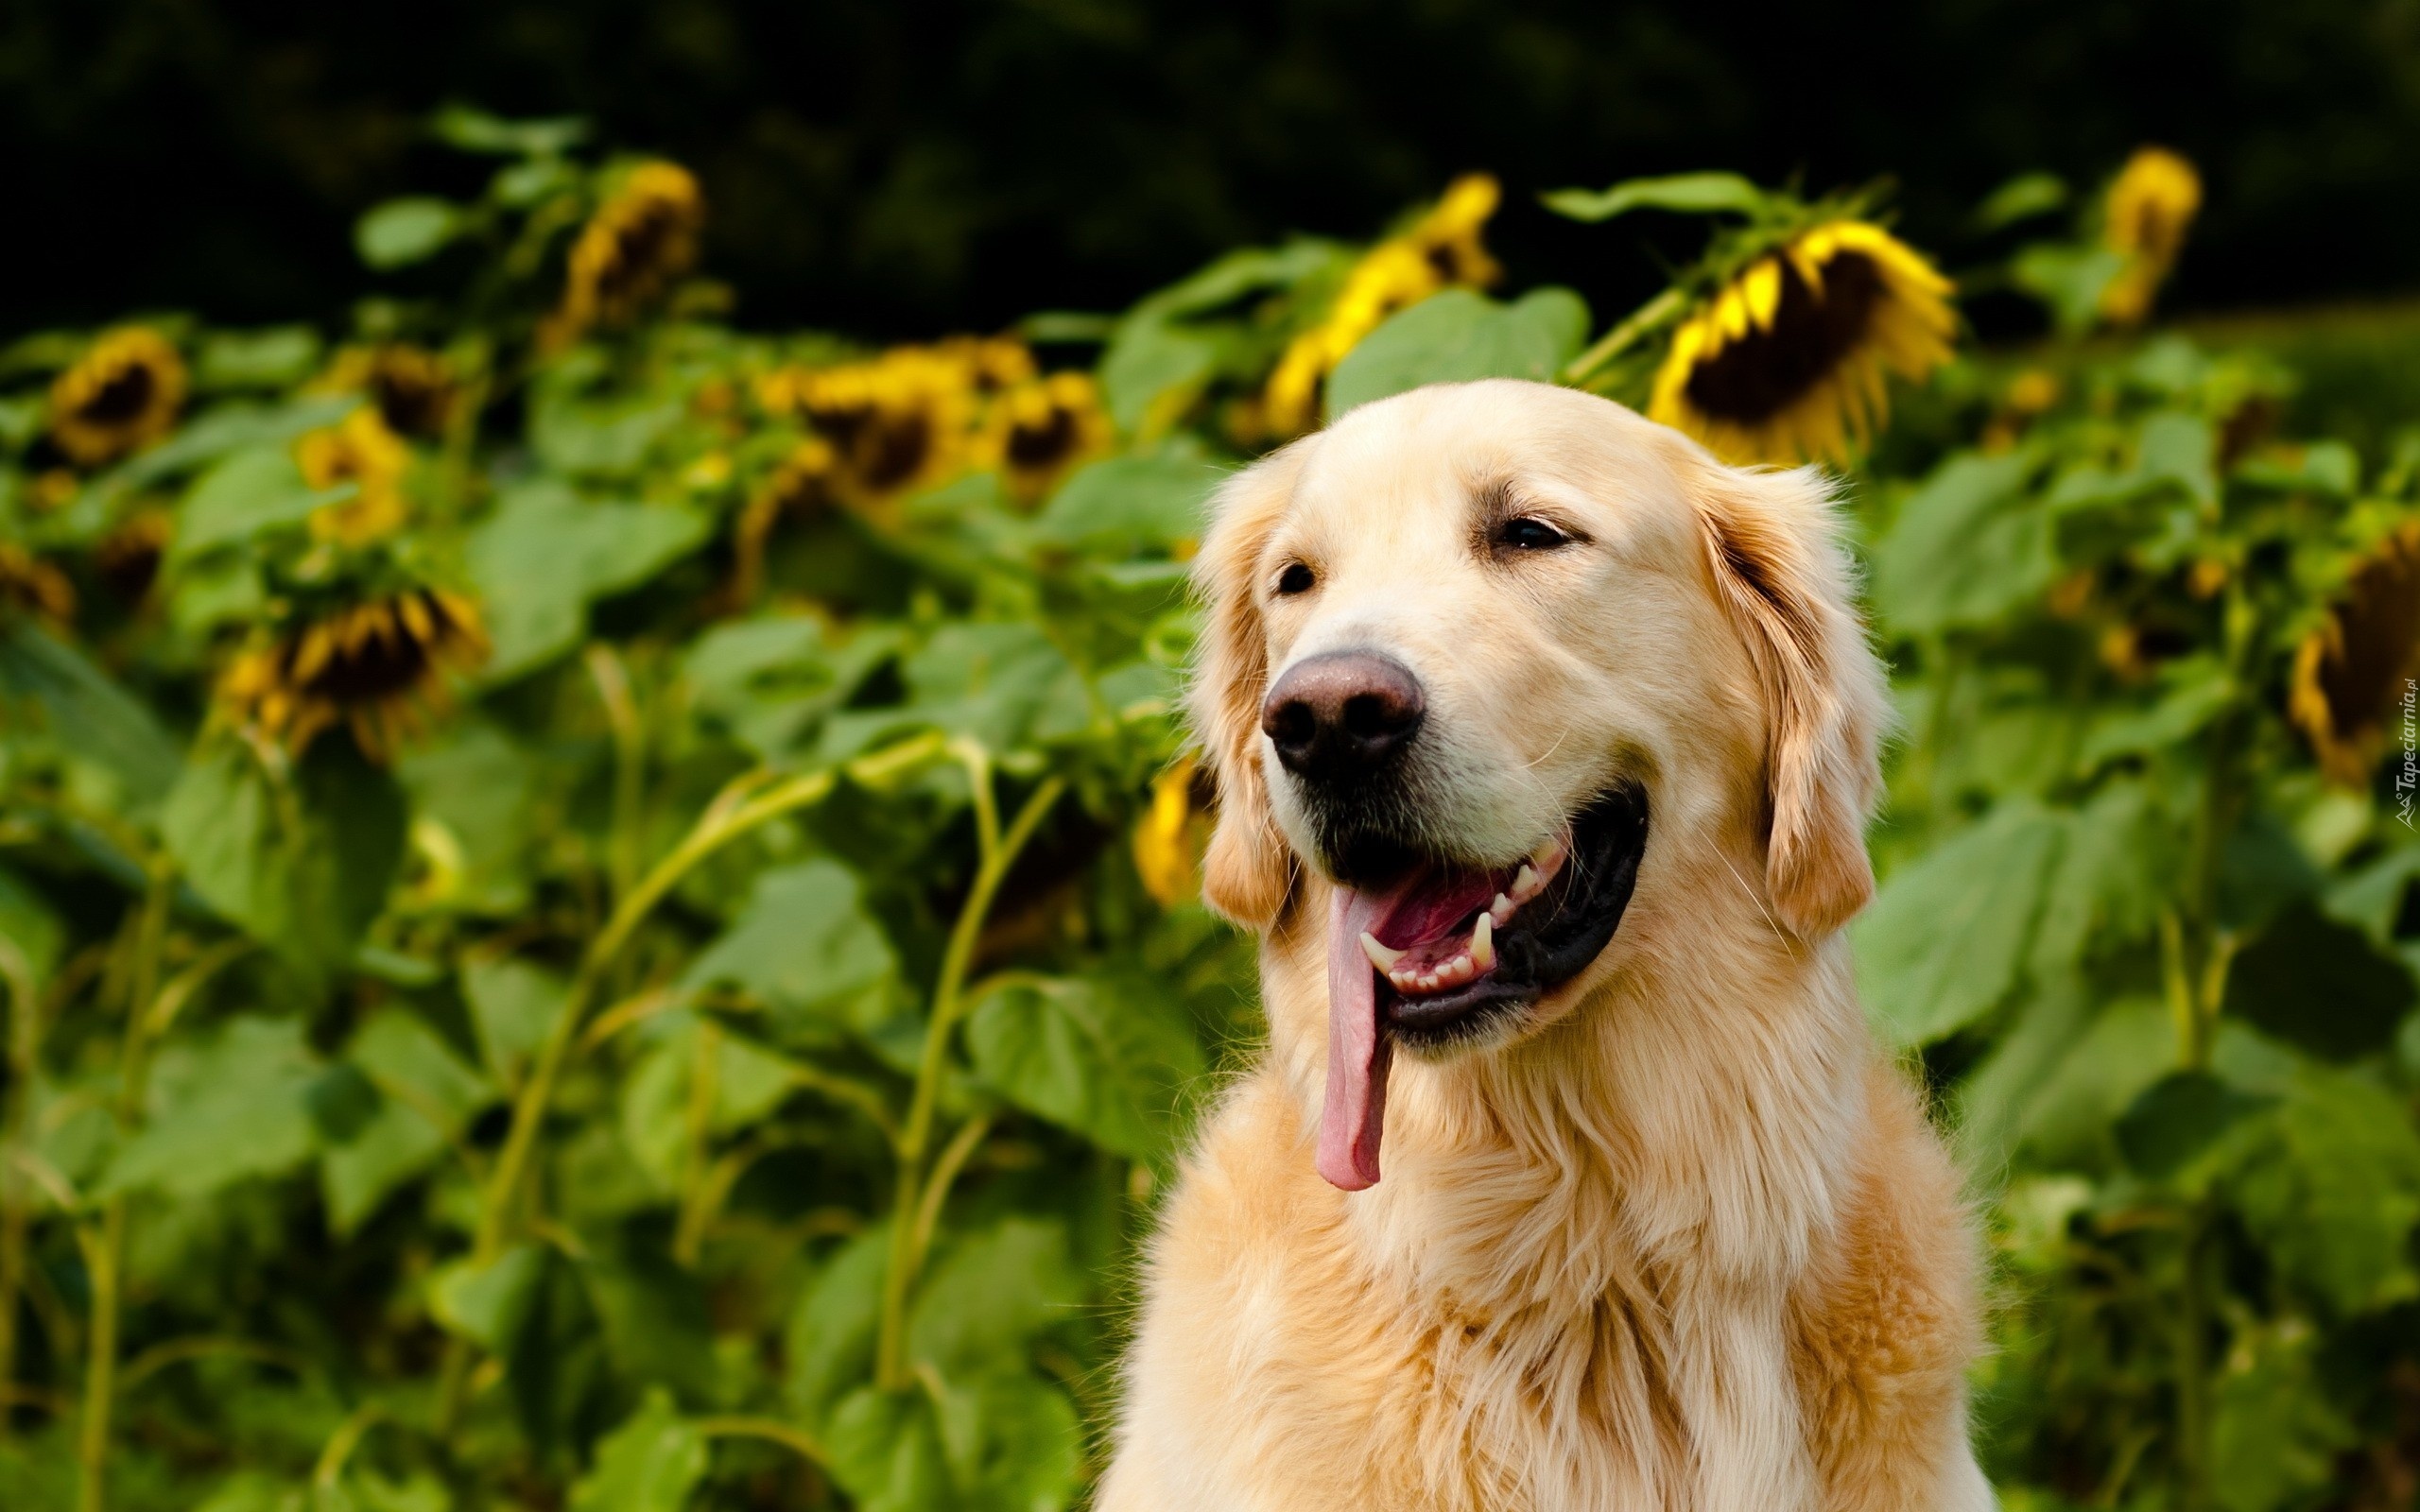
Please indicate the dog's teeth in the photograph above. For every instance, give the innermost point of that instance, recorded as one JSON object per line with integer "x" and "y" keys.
{"x": 1483, "y": 944}
{"x": 1524, "y": 882}
{"x": 1501, "y": 910}
{"x": 1381, "y": 957}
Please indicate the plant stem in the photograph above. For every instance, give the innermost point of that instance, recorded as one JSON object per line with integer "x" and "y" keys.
{"x": 1621, "y": 337}
{"x": 24, "y": 1046}
{"x": 623, "y": 850}
{"x": 2197, "y": 954}
{"x": 728, "y": 818}
{"x": 2193, "y": 1367}
{"x": 998, "y": 854}
{"x": 771, "y": 1430}
{"x": 104, "y": 1253}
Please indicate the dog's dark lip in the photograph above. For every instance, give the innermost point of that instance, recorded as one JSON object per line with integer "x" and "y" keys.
{"x": 1549, "y": 941}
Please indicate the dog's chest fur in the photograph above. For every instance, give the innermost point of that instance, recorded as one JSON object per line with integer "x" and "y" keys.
{"x": 1671, "y": 1258}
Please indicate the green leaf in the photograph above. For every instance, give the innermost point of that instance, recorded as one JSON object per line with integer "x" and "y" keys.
{"x": 403, "y": 231}
{"x": 1457, "y": 336}
{"x": 2333, "y": 1195}
{"x": 238, "y": 1105}
{"x": 1153, "y": 367}
{"x": 1965, "y": 548}
{"x": 1110, "y": 1061}
{"x": 272, "y": 358}
{"x": 804, "y": 945}
{"x": 2112, "y": 876}
{"x": 2320, "y": 984}
{"x": 412, "y": 1064}
{"x": 2069, "y": 279}
{"x": 2176, "y": 1118}
{"x": 395, "y": 1145}
{"x": 830, "y": 1340}
{"x": 599, "y": 437}
{"x": 652, "y": 1463}
{"x": 1005, "y": 684}
{"x": 426, "y": 1096}
{"x": 2022, "y": 197}
{"x": 32, "y": 930}
{"x": 1006, "y": 1444}
{"x": 302, "y": 867}
{"x": 93, "y": 719}
{"x": 2100, "y": 1069}
{"x": 887, "y": 1453}
{"x": 225, "y": 430}
{"x": 514, "y": 1003}
{"x": 1686, "y": 193}
{"x": 1130, "y": 504}
{"x": 991, "y": 1295}
{"x": 477, "y": 785}
{"x": 546, "y": 554}
{"x": 656, "y": 1325}
{"x": 2198, "y": 691}
{"x": 1995, "y": 1103}
{"x": 487, "y": 1304}
{"x": 771, "y": 681}
{"x": 1944, "y": 941}
{"x": 2275, "y": 1435}
{"x": 477, "y": 131}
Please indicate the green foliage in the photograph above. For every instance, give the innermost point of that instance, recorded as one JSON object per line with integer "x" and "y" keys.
{"x": 673, "y": 1020}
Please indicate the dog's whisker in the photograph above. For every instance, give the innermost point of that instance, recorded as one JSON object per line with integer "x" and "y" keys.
{"x": 1780, "y": 934}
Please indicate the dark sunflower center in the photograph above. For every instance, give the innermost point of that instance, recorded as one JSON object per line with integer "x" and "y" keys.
{"x": 1033, "y": 446}
{"x": 409, "y": 403}
{"x": 1758, "y": 375}
{"x": 2381, "y": 639}
{"x": 894, "y": 448}
{"x": 641, "y": 251}
{"x": 380, "y": 667}
{"x": 123, "y": 397}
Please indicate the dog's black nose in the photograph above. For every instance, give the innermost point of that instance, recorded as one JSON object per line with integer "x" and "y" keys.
{"x": 1341, "y": 714}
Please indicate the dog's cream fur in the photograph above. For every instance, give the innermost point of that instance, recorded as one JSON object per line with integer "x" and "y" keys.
{"x": 1686, "y": 1244}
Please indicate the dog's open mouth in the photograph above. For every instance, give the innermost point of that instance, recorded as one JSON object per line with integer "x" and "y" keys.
{"x": 1442, "y": 953}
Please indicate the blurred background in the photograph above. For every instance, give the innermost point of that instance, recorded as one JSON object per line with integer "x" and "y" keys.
{"x": 886, "y": 169}
{"x": 600, "y": 869}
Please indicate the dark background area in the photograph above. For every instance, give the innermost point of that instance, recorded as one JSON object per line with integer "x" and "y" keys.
{"x": 896, "y": 168}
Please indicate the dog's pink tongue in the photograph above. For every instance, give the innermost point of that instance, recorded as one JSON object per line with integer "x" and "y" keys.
{"x": 1358, "y": 1049}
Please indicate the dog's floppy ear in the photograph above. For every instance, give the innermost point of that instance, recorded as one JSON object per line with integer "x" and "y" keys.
{"x": 1772, "y": 541}
{"x": 1246, "y": 871}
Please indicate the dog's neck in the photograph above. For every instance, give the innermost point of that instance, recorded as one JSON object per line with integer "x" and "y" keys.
{"x": 1697, "y": 1103}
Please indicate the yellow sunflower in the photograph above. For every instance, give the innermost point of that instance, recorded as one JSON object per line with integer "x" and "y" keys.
{"x": 379, "y": 666}
{"x": 800, "y": 484}
{"x": 121, "y": 396}
{"x": 1442, "y": 249}
{"x": 359, "y": 450}
{"x": 2151, "y": 202}
{"x": 31, "y": 584}
{"x": 1038, "y": 432}
{"x": 632, "y": 250}
{"x": 1786, "y": 362}
{"x": 1172, "y": 835}
{"x": 993, "y": 364}
{"x": 896, "y": 423}
{"x": 2349, "y": 674}
{"x": 412, "y": 387}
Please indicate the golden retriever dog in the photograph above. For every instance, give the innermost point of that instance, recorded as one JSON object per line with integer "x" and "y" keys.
{"x": 1545, "y": 745}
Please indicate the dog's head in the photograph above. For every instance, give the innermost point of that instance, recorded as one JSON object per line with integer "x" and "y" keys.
{"x": 1468, "y": 649}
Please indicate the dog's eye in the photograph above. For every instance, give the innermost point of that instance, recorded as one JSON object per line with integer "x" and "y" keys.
{"x": 1296, "y": 579}
{"x": 1527, "y": 533}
